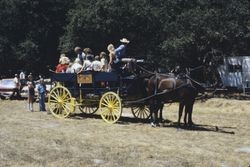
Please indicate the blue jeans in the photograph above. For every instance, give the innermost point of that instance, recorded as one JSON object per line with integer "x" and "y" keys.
{"x": 42, "y": 102}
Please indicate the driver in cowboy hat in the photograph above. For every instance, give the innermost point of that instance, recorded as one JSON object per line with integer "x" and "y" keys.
{"x": 121, "y": 50}
{"x": 121, "y": 55}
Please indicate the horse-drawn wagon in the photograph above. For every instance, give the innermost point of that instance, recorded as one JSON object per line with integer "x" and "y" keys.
{"x": 90, "y": 91}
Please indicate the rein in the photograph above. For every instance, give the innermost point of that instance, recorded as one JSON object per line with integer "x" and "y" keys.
{"x": 155, "y": 95}
{"x": 151, "y": 72}
{"x": 198, "y": 83}
{"x": 196, "y": 68}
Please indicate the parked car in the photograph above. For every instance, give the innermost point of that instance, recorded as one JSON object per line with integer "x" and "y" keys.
{"x": 24, "y": 90}
{"x": 7, "y": 87}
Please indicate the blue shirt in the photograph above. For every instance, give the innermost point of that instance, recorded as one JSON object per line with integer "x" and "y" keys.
{"x": 120, "y": 51}
{"x": 81, "y": 56}
{"x": 41, "y": 88}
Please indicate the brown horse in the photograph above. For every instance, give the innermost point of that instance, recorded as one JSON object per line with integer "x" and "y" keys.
{"x": 170, "y": 89}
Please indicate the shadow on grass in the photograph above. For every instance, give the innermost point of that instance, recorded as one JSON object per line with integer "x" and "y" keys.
{"x": 199, "y": 127}
{"x": 124, "y": 120}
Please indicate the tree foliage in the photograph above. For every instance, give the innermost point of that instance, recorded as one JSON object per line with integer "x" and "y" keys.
{"x": 181, "y": 32}
{"x": 29, "y": 33}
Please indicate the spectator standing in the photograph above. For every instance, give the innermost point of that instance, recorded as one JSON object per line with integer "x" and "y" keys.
{"x": 31, "y": 92}
{"x": 42, "y": 92}
{"x": 22, "y": 78}
{"x": 17, "y": 87}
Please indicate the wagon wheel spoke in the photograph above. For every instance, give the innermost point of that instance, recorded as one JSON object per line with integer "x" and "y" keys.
{"x": 53, "y": 106}
{"x": 54, "y": 97}
{"x": 105, "y": 112}
{"x": 141, "y": 112}
{"x": 67, "y": 100}
{"x": 88, "y": 107}
{"x": 53, "y": 101}
{"x": 110, "y": 107}
{"x": 60, "y": 102}
{"x": 104, "y": 104}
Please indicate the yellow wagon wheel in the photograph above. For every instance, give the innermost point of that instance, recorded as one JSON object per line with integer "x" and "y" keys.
{"x": 60, "y": 101}
{"x": 141, "y": 112}
{"x": 110, "y": 107}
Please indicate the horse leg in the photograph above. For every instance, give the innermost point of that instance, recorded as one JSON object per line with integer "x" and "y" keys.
{"x": 190, "y": 111}
{"x": 161, "y": 109}
{"x": 151, "y": 109}
{"x": 153, "y": 116}
{"x": 186, "y": 113}
{"x": 181, "y": 105}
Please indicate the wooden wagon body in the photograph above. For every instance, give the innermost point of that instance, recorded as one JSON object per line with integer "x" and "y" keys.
{"x": 105, "y": 92}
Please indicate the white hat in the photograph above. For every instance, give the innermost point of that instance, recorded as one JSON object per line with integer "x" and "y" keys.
{"x": 124, "y": 40}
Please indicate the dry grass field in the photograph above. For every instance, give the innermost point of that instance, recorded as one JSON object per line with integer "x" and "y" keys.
{"x": 220, "y": 138}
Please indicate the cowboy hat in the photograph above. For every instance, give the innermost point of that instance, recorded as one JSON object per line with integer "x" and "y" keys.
{"x": 124, "y": 40}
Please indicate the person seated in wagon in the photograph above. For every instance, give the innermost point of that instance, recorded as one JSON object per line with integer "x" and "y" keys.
{"x": 121, "y": 51}
{"x": 118, "y": 56}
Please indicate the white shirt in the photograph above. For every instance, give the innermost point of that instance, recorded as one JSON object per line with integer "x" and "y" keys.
{"x": 87, "y": 65}
{"x": 104, "y": 64}
{"x": 22, "y": 75}
{"x": 76, "y": 67}
{"x": 81, "y": 56}
{"x": 17, "y": 82}
{"x": 97, "y": 65}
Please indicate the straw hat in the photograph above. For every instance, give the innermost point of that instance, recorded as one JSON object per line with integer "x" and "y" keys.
{"x": 124, "y": 40}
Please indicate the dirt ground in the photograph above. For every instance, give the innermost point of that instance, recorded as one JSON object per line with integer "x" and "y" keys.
{"x": 221, "y": 138}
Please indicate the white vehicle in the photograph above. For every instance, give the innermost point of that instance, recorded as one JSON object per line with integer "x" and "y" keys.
{"x": 48, "y": 84}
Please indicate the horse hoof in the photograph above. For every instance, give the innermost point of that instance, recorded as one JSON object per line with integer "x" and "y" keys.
{"x": 190, "y": 124}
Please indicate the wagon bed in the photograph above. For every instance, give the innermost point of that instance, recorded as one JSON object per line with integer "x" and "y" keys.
{"x": 92, "y": 91}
